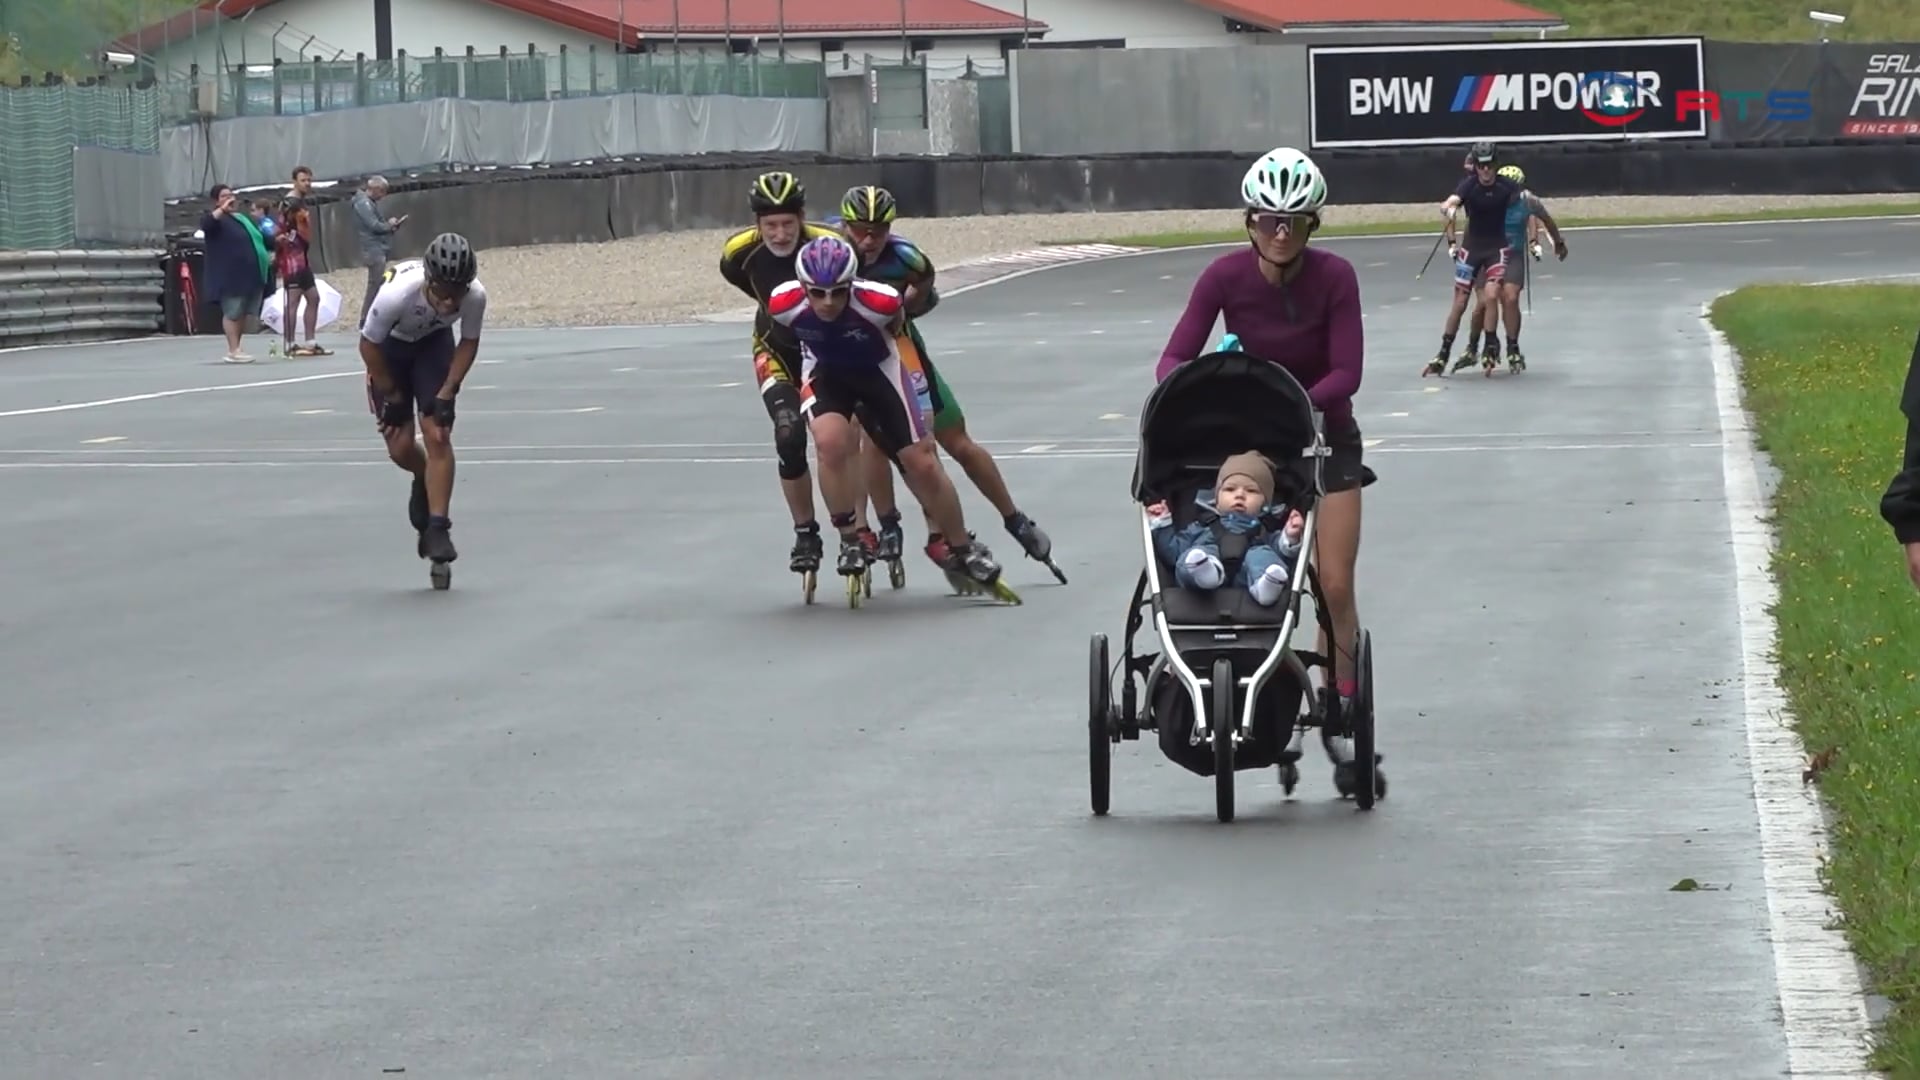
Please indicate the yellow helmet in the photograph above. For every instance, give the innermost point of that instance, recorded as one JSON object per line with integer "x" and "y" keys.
{"x": 868, "y": 205}
{"x": 1513, "y": 173}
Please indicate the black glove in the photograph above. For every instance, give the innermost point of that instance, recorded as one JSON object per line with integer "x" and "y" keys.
{"x": 443, "y": 412}
{"x": 396, "y": 413}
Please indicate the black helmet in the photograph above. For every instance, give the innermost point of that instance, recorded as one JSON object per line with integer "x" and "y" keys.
{"x": 868, "y": 204}
{"x": 449, "y": 261}
{"x": 1482, "y": 153}
{"x": 777, "y": 193}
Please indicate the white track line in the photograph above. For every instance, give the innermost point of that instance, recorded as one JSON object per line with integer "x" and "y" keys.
{"x": 182, "y": 392}
{"x": 1821, "y": 995}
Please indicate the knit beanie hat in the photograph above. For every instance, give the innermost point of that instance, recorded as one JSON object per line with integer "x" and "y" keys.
{"x": 1250, "y": 465}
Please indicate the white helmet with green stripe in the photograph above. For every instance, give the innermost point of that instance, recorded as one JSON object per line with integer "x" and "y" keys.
{"x": 1284, "y": 181}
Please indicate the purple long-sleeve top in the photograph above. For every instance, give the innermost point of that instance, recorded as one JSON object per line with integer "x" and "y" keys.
{"x": 1310, "y": 326}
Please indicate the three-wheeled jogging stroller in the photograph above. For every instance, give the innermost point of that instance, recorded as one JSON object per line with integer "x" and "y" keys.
{"x": 1227, "y": 691}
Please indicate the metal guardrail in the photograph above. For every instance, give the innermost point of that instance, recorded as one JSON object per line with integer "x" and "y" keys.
{"x": 48, "y": 297}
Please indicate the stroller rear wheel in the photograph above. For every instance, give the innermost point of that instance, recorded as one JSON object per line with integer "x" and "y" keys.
{"x": 1100, "y": 735}
{"x": 1223, "y": 723}
{"x": 1359, "y": 779}
{"x": 1368, "y": 783}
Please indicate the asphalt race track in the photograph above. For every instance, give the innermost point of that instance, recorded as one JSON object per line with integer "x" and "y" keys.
{"x": 619, "y": 805}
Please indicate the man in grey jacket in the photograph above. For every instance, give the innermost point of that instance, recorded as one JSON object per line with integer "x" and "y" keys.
{"x": 376, "y": 236}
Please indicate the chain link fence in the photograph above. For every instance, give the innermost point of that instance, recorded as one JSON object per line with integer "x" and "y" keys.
{"x": 41, "y": 128}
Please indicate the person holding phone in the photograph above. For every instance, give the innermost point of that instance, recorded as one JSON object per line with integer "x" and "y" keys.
{"x": 234, "y": 273}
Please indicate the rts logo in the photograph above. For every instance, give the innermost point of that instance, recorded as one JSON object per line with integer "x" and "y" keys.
{"x": 1783, "y": 106}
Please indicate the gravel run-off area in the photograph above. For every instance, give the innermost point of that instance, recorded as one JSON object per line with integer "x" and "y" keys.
{"x": 673, "y": 277}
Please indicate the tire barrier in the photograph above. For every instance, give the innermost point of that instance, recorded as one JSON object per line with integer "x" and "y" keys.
{"x": 618, "y": 200}
{"x": 49, "y": 297}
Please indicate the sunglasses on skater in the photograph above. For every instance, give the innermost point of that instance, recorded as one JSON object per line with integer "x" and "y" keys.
{"x": 815, "y": 292}
{"x": 1271, "y": 224}
{"x": 445, "y": 293}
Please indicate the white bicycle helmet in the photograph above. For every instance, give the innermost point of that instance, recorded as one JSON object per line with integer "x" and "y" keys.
{"x": 1284, "y": 181}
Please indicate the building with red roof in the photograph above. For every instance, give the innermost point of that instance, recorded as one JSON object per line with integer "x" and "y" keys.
{"x": 225, "y": 34}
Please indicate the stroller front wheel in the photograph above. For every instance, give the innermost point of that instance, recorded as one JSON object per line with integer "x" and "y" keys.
{"x": 1100, "y": 734}
{"x": 1223, "y": 724}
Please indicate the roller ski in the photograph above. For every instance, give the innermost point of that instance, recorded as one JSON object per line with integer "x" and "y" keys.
{"x": 1339, "y": 748}
{"x": 855, "y": 559}
{"x": 430, "y": 538}
{"x": 870, "y": 543}
{"x": 974, "y": 566}
{"x": 437, "y": 545}
{"x": 942, "y": 556}
{"x": 891, "y": 549}
{"x": 1516, "y": 363}
{"x": 805, "y": 559}
{"x": 1490, "y": 361}
{"x": 1036, "y": 543}
{"x": 1466, "y": 358}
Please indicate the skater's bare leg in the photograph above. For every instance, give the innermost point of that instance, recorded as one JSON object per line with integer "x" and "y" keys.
{"x": 979, "y": 466}
{"x": 834, "y": 451}
{"x": 857, "y": 475}
{"x": 879, "y": 476}
{"x": 920, "y": 468}
{"x": 439, "y": 466}
{"x": 799, "y": 495}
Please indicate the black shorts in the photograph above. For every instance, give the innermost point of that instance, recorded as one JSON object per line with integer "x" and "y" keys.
{"x": 891, "y": 400}
{"x": 419, "y": 368}
{"x": 1345, "y": 468}
{"x": 302, "y": 281}
{"x": 1491, "y": 262}
{"x": 772, "y": 360}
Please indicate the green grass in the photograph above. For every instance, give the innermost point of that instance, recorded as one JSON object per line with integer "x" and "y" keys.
{"x": 1822, "y": 370}
{"x": 1432, "y": 224}
{"x": 1738, "y": 20}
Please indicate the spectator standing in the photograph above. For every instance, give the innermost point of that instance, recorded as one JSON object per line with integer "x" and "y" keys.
{"x": 1900, "y": 506}
{"x": 292, "y": 257}
{"x": 376, "y": 237}
{"x": 302, "y": 295}
{"x": 235, "y": 270}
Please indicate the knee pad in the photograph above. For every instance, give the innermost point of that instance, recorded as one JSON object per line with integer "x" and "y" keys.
{"x": 790, "y": 444}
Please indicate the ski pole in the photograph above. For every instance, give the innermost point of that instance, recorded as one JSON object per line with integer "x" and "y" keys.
{"x": 1431, "y": 254}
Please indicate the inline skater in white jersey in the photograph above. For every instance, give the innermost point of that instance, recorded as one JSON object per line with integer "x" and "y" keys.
{"x": 851, "y": 366}
{"x": 413, "y": 365}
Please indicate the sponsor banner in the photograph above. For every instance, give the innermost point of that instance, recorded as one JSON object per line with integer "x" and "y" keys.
{"x": 1839, "y": 90}
{"x": 1886, "y": 97}
{"x": 1532, "y": 91}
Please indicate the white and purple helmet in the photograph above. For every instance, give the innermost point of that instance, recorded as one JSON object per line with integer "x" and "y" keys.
{"x": 826, "y": 262}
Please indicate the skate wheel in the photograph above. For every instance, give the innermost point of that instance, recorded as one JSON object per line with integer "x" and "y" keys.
{"x": 442, "y": 576}
{"x": 866, "y": 584}
{"x": 1005, "y": 593}
{"x": 1289, "y": 777}
{"x": 897, "y": 574}
{"x": 854, "y": 589}
{"x": 809, "y": 581}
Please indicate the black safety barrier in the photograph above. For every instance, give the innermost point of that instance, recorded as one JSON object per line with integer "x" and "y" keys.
{"x": 615, "y": 200}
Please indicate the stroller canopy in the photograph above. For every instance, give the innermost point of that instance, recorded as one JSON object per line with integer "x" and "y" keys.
{"x": 1220, "y": 405}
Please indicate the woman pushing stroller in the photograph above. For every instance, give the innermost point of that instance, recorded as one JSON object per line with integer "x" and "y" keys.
{"x": 1298, "y": 307}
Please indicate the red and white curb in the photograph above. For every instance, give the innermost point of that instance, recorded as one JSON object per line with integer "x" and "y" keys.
{"x": 983, "y": 270}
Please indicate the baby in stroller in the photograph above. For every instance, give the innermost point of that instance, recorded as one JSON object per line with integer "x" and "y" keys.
{"x": 1237, "y": 510}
